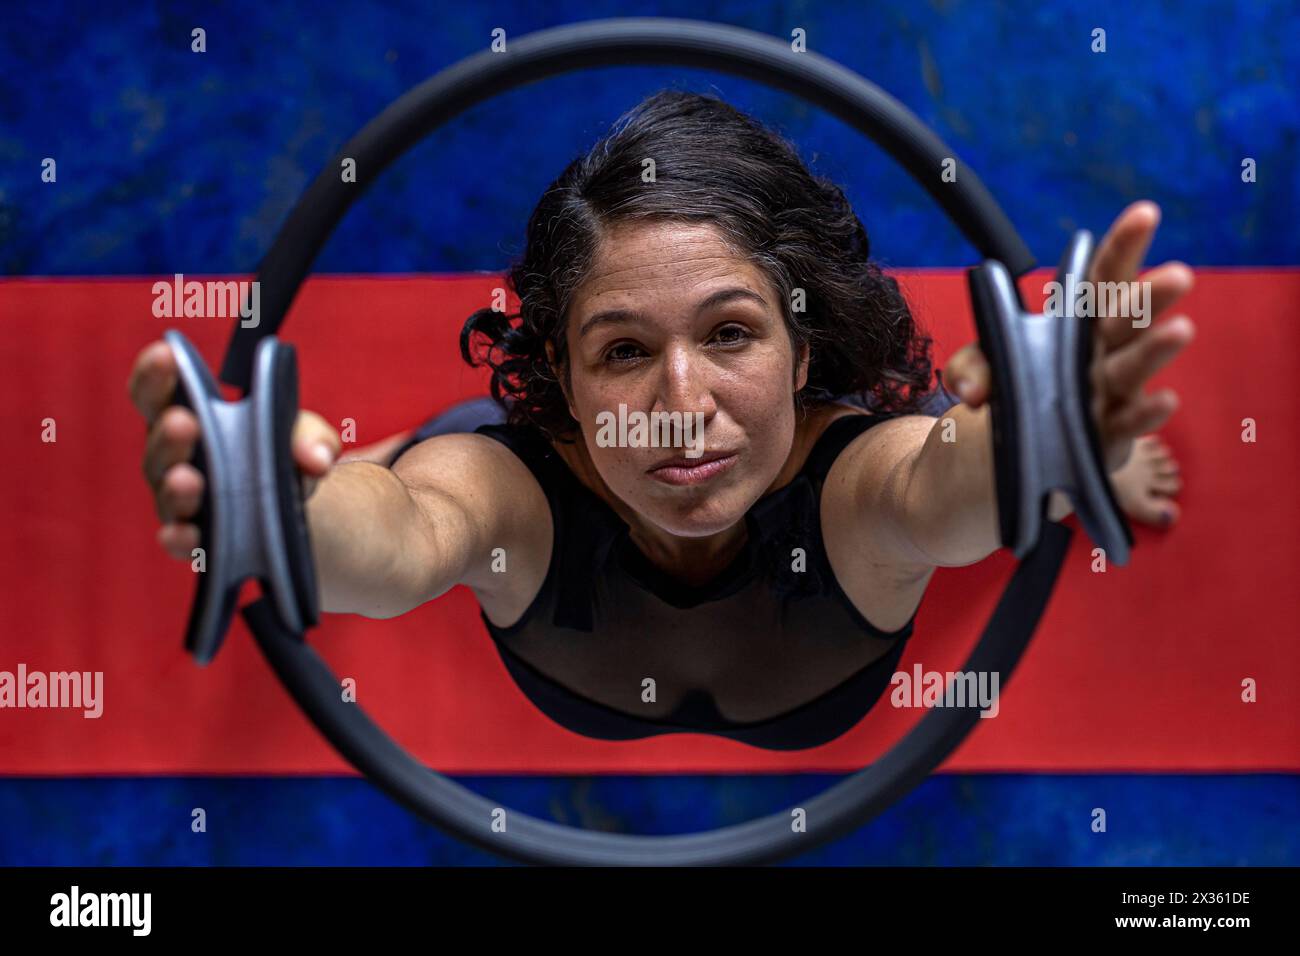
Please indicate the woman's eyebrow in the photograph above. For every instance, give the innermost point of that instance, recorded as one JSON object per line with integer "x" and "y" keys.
{"x": 711, "y": 301}
{"x": 723, "y": 296}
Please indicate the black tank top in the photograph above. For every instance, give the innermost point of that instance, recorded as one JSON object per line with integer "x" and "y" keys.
{"x": 614, "y": 648}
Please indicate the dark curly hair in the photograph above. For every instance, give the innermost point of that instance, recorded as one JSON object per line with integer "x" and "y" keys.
{"x": 714, "y": 165}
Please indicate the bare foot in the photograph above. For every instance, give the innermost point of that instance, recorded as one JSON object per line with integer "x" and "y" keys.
{"x": 1145, "y": 484}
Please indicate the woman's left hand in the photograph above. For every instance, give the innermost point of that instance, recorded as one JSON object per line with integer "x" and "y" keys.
{"x": 1127, "y": 351}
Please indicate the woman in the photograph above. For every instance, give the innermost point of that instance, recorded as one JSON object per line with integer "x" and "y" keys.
{"x": 760, "y": 584}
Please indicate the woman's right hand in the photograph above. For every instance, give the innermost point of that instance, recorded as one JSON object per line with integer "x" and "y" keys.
{"x": 177, "y": 486}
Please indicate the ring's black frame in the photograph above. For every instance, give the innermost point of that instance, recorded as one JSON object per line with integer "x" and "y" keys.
{"x": 475, "y": 819}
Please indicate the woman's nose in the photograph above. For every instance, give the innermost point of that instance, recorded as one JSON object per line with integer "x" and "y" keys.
{"x": 686, "y": 385}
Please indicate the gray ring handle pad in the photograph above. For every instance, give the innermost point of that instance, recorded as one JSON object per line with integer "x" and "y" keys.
{"x": 251, "y": 519}
{"x": 1044, "y": 438}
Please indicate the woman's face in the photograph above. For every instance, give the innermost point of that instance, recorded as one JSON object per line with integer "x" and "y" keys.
{"x": 670, "y": 320}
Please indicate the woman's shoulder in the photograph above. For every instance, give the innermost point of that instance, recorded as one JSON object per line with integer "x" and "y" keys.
{"x": 533, "y": 448}
{"x": 498, "y": 477}
{"x": 471, "y": 464}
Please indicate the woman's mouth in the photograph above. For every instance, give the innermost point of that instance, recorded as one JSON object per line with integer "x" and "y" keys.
{"x": 692, "y": 471}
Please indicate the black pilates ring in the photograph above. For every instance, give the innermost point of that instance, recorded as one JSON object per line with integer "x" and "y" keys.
{"x": 1043, "y": 439}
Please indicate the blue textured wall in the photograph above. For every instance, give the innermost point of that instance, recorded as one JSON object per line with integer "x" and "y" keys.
{"x": 176, "y": 161}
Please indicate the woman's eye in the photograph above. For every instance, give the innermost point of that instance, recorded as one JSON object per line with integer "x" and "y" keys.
{"x": 626, "y": 352}
{"x": 623, "y": 352}
{"x": 732, "y": 334}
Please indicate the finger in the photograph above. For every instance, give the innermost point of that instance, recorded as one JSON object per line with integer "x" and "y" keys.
{"x": 180, "y": 493}
{"x": 968, "y": 374}
{"x": 1145, "y": 413}
{"x": 315, "y": 444}
{"x": 153, "y": 380}
{"x": 1170, "y": 281}
{"x": 1125, "y": 245}
{"x": 179, "y": 540}
{"x": 170, "y": 442}
{"x": 1157, "y": 290}
{"x": 1132, "y": 366}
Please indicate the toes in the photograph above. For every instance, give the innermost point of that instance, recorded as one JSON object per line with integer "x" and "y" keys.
{"x": 1162, "y": 457}
{"x": 1148, "y": 446}
{"x": 1167, "y": 485}
{"x": 1166, "y": 511}
{"x": 1147, "y": 511}
{"x": 1171, "y": 512}
{"x": 1154, "y": 510}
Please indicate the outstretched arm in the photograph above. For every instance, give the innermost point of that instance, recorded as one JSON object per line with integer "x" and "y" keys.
{"x": 937, "y": 498}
